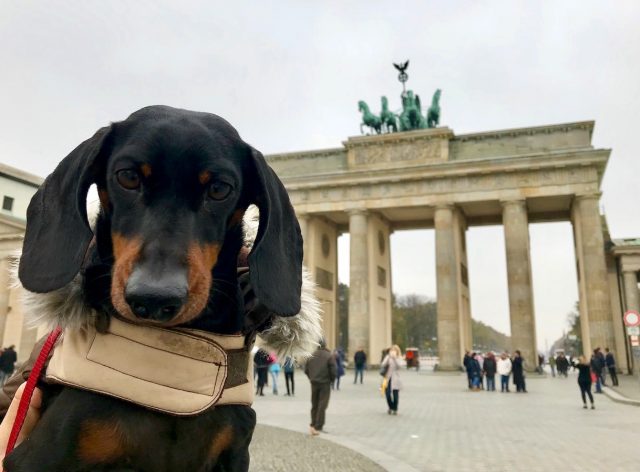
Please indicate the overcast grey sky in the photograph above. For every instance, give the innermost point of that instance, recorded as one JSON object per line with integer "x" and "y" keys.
{"x": 288, "y": 76}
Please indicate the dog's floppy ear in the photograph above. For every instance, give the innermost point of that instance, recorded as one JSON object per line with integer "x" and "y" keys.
{"x": 58, "y": 232}
{"x": 275, "y": 261}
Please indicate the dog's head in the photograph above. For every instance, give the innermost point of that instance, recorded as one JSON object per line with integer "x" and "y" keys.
{"x": 173, "y": 184}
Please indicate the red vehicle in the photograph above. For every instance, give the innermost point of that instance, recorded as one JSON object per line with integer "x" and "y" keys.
{"x": 412, "y": 357}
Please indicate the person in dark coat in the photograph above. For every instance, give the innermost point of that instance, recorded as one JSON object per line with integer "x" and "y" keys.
{"x": 339, "y": 355}
{"x": 518, "y": 372}
{"x": 289, "y": 369}
{"x": 596, "y": 368}
{"x": 321, "y": 370}
{"x": 261, "y": 362}
{"x": 562, "y": 364}
{"x": 466, "y": 362}
{"x": 603, "y": 365}
{"x": 8, "y": 360}
{"x": 360, "y": 363}
{"x": 489, "y": 367}
{"x": 610, "y": 362}
{"x": 584, "y": 380}
{"x": 475, "y": 372}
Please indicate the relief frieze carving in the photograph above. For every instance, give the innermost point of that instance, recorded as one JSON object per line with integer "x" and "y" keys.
{"x": 445, "y": 185}
{"x": 401, "y": 153}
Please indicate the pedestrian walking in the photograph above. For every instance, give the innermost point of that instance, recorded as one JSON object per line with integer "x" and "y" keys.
{"x": 360, "y": 363}
{"x": 563, "y": 365}
{"x": 610, "y": 362}
{"x": 603, "y": 366}
{"x": 339, "y": 368}
{"x": 540, "y": 368}
{"x": 321, "y": 370}
{"x": 261, "y": 362}
{"x": 391, "y": 367}
{"x": 517, "y": 367}
{"x": 504, "y": 371}
{"x": 596, "y": 368}
{"x": 552, "y": 365}
{"x": 584, "y": 380}
{"x": 489, "y": 367}
{"x": 274, "y": 370}
{"x": 289, "y": 369}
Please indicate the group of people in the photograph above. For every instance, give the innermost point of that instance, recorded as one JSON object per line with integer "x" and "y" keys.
{"x": 561, "y": 363}
{"x": 265, "y": 363}
{"x": 482, "y": 369}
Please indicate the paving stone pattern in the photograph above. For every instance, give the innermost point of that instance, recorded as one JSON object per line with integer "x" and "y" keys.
{"x": 441, "y": 426}
{"x": 276, "y": 449}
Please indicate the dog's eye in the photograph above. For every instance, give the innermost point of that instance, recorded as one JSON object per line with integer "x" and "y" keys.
{"x": 128, "y": 178}
{"x": 219, "y": 190}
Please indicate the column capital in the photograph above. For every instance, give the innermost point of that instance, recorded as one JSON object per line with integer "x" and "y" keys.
{"x": 587, "y": 196}
{"x": 357, "y": 211}
{"x": 520, "y": 201}
{"x": 445, "y": 206}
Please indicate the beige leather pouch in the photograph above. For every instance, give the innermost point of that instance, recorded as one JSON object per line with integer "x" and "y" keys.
{"x": 181, "y": 372}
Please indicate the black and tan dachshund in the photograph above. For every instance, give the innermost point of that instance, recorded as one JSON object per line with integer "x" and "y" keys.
{"x": 173, "y": 187}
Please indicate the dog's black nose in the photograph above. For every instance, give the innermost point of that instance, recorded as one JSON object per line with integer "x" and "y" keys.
{"x": 158, "y": 299}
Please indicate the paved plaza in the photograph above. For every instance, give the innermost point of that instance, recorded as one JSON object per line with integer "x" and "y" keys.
{"x": 443, "y": 427}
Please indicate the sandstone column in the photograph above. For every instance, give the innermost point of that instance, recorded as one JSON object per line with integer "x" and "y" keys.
{"x": 595, "y": 305}
{"x": 448, "y": 290}
{"x": 631, "y": 300}
{"x": 516, "y": 236}
{"x": 359, "y": 284}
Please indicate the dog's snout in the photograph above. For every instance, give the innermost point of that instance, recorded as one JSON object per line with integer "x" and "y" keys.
{"x": 156, "y": 298}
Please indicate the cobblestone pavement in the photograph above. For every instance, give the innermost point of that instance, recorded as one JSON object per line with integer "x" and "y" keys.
{"x": 629, "y": 386}
{"x": 443, "y": 427}
{"x": 276, "y": 449}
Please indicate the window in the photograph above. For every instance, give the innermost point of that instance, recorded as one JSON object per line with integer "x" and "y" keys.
{"x": 7, "y": 203}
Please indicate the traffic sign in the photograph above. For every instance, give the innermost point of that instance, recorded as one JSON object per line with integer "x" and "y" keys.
{"x": 633, "y": 330}
{"x": 635, "y": 341}
{"x": 631, "y": 318}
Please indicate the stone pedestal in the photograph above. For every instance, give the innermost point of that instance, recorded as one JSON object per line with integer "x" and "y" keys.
{"x": 521, "y": 309}
{"x": 595, "y": 306}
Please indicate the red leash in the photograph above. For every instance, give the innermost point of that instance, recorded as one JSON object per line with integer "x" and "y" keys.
{"x": 23, "y": 408}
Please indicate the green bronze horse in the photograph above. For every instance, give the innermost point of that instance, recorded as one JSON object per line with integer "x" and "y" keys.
{"x": 411, "y": 117}
{"x": 388, "y": 118}
{"x": 433, "y": 113}
{"x": 369, "y": 119}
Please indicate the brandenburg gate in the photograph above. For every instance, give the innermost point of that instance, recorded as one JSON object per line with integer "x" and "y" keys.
{"x": 432, "y": 178}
